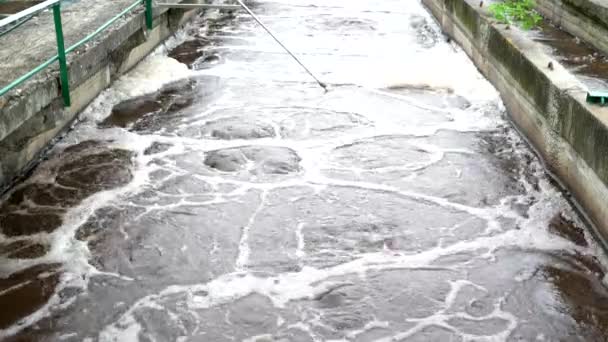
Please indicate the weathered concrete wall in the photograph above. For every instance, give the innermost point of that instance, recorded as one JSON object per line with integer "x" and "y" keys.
{"x": 548, "y": 104}
{"x": 586, "y": 19}
{"x": 31, "y": 119}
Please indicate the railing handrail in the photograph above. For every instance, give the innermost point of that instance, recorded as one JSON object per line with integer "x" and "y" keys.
{"x": 27, "y": 12}
{"x": 61, "y": 50}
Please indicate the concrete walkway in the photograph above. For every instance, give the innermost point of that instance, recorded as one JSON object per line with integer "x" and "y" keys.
{"x": 34, "y": 42}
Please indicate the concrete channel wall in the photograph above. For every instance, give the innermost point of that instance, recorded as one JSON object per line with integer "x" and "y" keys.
{"x": 31, "y": 119}
{"x": 545, "y": 101}
{"x": 586, "y": 19}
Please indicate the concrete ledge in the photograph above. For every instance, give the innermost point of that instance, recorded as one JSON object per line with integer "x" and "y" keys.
{"x": 586, "y": 19}
{"x": 33, "y": 115}
{"x": 548, "y": 105}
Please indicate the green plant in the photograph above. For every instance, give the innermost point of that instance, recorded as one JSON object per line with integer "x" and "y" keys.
{"x": 520, "y": 12}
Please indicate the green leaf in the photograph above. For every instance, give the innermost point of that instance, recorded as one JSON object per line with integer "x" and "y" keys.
{"x": 520, "y": 11}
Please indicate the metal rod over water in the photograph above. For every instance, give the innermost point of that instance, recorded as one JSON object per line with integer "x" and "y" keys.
{"x": 323, "y": 85}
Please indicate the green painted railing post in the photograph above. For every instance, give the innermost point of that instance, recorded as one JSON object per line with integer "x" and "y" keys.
{"x": 63, "y": 65}
{"x": 149, "y": 14}
{"x": 61, "y": 50}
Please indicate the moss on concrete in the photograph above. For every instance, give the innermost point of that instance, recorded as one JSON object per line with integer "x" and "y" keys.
{"x": 588, "y": 136}
{"x": 465, "y": 14}
{"x": 521, "y": 69}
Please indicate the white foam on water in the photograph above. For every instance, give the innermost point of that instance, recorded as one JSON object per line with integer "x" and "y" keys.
{"x": 300, "y": 252}
{"x": 310, "y": 282}
{"x": 244, "y": 248}
{"x": 441, "y": 67}
{"x": 150, "y": 75}
{"x": 146, "y": 78}
{"x": 65, "y": 249}
{"x": 431, "y": 71}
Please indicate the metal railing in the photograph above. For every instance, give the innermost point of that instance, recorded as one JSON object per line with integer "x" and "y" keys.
{"x": 62, "y": 52}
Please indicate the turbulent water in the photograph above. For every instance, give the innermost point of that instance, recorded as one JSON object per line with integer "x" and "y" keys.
{"x": 216, "y": 193}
